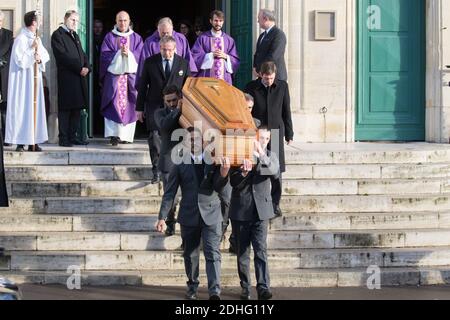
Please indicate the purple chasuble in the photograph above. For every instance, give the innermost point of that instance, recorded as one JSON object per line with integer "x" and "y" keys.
{"x": 207, "y": 43}
{"x": 119, "y": 93}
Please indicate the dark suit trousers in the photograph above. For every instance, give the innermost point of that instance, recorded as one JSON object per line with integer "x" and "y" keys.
{"x": 69, "y": 123}
{"x": 3, "y": 118}
{"x": 211, "y": 236}
{"x": 252, "y": 233}
{"x": 225, "y": 199}
{"x": 171, "y": 217}
{"x": 277, "y": 189}
{"x": 154, "y": 144}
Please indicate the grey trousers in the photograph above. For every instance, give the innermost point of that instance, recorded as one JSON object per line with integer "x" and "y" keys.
{"x": 252, "y": 233}
{"x": 192, "y": 239}
{"x": 171, "y": 219}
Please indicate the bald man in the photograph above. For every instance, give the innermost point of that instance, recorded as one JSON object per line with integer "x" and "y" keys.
{"x": 119, "y": 60}
{"x": 152, "y": 44}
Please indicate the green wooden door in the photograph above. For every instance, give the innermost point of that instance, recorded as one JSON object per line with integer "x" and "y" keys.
{"x": 241, "y": 31}
{"x": 391, "y": 70}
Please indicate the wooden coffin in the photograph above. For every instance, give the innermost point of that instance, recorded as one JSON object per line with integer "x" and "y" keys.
{"x": 214, "y": 104}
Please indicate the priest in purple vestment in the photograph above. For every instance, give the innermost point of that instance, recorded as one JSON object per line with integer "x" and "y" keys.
{"x": 152, "y": 44}
{"x": 215, "y": 52}
{"x": 119, "y": 59}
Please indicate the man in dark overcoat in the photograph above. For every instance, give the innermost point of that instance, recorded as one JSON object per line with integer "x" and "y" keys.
{"x": 273, "y": 109}
{"x": 73, "y": 69}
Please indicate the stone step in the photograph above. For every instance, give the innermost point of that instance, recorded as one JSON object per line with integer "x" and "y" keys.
{"x": 294, "y": 204}
{"x": 150, "y": 241}
{"x": 291, "y": 188}
{"x": 60, "y": 173}
{"x": 290, "y": 222}
{"x": 281, "y": 278}
{"x": 98, "y": 154}
{"x": 79, "y": 157}
{"x": 368, "y": 171}
{"x": 322, "y": 259}
{"x": 83, "y": 173}
{"x": 85, "y": 189}
{"x": 431, "y": 154}
{"x": 361, "y": 221}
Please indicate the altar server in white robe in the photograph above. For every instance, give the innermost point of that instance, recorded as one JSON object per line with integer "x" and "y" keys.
{"x": 24, "y": 125}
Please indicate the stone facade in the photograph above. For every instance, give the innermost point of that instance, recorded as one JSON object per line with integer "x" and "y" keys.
{"x": 322, "y": 73}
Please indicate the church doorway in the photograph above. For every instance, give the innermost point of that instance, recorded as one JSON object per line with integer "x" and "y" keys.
{"x": 144, "y": 19}
{"x": 193, "y": 12}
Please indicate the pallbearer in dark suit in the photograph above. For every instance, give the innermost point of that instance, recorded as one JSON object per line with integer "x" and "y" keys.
{"x": 73, "y": 69}
{"x": 168, "y": 121}
{"x": 159, "y": 71}
{"x": 273, "y": 109}
{"x": 271, "y": 45}
{"x": 6, "y": 43}
{"x": 251, "y": 210}
{"x": 200, "y": 214}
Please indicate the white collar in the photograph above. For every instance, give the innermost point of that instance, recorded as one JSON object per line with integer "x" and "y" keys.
{"x": 122, "y": 34}
{"x": 170, "y": 60}
{"x": 216, "y": 34}
{"x": 26, "y": 32}
{"x": 268, "y": 30}
{"x": 67, "y": 29}
{"x": 197, "y": 159}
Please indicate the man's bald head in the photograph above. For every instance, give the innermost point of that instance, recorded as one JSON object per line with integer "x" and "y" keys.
{"x": 165, "y": 27}
{"x": 123, "y": 21}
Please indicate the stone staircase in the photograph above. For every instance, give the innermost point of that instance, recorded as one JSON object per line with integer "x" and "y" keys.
{"x": 347, "y": 207}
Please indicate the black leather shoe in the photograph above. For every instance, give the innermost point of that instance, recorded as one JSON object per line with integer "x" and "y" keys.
{"x": 7, "y": 144}
{"x": 156, "y": 179}
{"x": 278, "y": 212}
{"x": 80, "y": 143}
{"x": 215, "y": 297}
{"x": 20, "y": 148}
{"x": 115, "y": 142}
{"x": 191, "y": 296}
{"x": 170, "y": 231}
{"x": 36, "y": 148}
{"x": 265, "y": 295}
{"x": 245, "y": 295}
{"x": 65, "y": 144}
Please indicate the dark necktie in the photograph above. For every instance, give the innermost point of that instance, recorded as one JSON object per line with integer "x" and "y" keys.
{"x": 200, "y": 172}
{"x": 167, "y": 70}
{"x": 264, "y": 34}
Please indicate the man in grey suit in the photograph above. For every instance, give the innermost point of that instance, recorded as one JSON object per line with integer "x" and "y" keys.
{"x": 251, "y": 210}
{"x": 271, "y": 45}
{"x": 200, "y": 214}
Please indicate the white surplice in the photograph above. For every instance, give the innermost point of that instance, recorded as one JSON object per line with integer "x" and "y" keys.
{"x": 20, "y": 123}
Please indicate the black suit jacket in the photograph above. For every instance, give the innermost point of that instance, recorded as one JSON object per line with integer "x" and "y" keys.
{"x": 273, "y": 110}
{"x": 70, "y": 59}
{"x": 152, "y": 83}
{"x": 199, "y": 200}
{"x": 254, "y": 191}
{"x": 272, "y": 48}
{"x": 6, "y": 43}
{"x": 167, "y": 121}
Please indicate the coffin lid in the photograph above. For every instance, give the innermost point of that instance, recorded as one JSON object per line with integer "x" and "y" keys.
{"x": 222, "y": 104}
